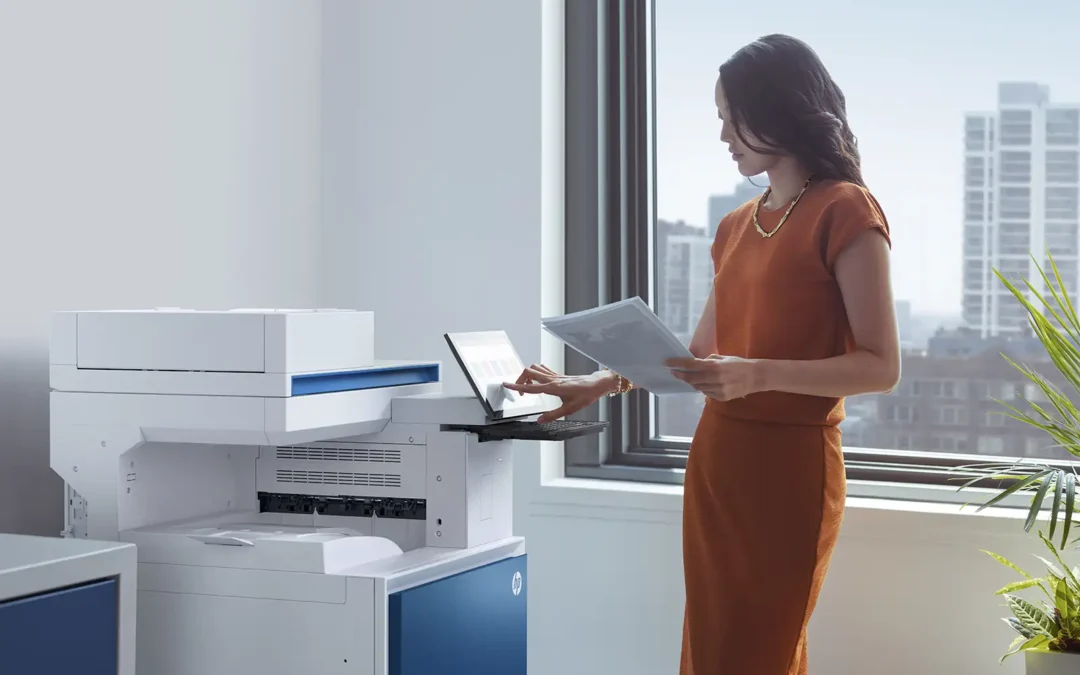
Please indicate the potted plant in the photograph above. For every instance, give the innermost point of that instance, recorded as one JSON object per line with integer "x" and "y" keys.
{"x": 1048, "y": 630}
{"x": 1055, "y": 323}
{"x": 1049, "y": 634}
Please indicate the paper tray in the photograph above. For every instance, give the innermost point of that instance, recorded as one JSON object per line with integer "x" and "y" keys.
{"x": 249, "y": 540}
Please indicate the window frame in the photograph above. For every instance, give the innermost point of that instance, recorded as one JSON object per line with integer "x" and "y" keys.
{"x": 610, "y": 221}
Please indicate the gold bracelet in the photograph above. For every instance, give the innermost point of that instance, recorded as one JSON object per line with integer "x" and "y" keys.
{"x": 623, "y": 385}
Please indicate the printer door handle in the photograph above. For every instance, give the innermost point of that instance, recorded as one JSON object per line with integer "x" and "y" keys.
{"x": 221, "y": 541}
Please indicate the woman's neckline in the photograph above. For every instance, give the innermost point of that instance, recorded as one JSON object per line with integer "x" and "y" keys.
{"x": 780, "y": 208}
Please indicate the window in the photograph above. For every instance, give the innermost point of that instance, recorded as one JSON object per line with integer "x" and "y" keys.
{"x": 1061, "y": 239}
{"x": 950, "y": 442}
{"x": 993, "y": 418}
{"x": 974, "y": 172}
{"x": 1016, "y": 127}
{"x": 1015, "y": 203}
{"x": 1063, "y": 203}
{"x": 951, "y": 416}
{"x": 991, "y": 445}
{"x": 973, "y": 241}
{"x": 974, "y": 205}
{"x": 901, "y": 413}
{"x": 1015, "y": 167}
{"x": 973, "y": 274}
{"x": 973, "y": 310}
{"x": 648, "y": 181}
{"x": 1063, "y": 126}
{"x": 1063, "y": 166}
{"x": 975, "y": 134}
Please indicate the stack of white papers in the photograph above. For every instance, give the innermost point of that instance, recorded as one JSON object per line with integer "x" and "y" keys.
{"x": 628, "y": 338}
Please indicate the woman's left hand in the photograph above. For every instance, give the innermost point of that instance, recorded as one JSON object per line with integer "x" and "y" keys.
{"x": 720, "y": 377}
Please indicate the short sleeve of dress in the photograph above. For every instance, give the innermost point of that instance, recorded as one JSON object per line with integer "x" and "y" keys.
{"x": 724, "y": 231}
{"x": 853, "y": 212}
{"x": 718, "y": 239}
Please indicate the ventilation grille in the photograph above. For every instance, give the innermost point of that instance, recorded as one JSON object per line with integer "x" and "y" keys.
{"x": 387, "y": 480}
{"x": 340, "y": 455}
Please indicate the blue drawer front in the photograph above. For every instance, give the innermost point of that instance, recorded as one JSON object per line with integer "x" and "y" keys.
{"x": 473, "y": 623}
{"x": 74, "y": 630}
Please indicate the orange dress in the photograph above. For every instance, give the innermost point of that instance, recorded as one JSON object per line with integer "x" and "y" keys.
{"x": 765, "y": 485}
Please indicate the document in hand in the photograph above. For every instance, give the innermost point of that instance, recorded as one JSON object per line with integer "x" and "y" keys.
{"x": 628, "y": 338}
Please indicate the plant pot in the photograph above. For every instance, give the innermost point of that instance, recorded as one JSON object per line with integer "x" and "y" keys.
{"x": 1040, "y": 662}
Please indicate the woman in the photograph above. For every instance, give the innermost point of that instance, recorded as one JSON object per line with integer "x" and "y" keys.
{"x": 800, "y": 316}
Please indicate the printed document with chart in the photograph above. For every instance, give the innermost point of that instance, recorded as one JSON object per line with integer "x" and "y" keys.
{"x": 628, "y": 338}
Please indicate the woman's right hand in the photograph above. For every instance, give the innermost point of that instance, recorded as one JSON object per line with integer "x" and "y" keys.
{"x": 575, "y": 391}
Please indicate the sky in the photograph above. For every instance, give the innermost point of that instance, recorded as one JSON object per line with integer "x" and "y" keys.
{"x": 909, "y": 70}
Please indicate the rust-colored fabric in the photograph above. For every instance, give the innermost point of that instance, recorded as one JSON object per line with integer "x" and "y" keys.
{"x": 765, "y": 487}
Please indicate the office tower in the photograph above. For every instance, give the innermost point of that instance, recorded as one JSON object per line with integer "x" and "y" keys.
{"x": 721, "y": 205}
{"x": 1021, "y": 197}
{"x": 684, "y": 275}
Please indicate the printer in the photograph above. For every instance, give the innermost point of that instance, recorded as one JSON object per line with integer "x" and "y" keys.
{"x": 297, "y": 505}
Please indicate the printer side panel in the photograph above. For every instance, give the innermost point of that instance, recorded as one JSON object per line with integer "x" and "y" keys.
{"x": 470, "y": 490}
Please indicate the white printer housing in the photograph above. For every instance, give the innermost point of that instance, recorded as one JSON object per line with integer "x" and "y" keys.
{"x": 297, "y": 505}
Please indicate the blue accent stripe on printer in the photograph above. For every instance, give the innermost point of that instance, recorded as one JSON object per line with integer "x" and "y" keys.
{"x": 370, "y": 378}
{"x": 472, "y": 623}
{"x": 70, "y": 630}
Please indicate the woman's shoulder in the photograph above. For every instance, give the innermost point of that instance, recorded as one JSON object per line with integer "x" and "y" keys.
{"x": 735, "y": 219}
{"x": 844, "y": 198}
{"x": 846, "y": 210}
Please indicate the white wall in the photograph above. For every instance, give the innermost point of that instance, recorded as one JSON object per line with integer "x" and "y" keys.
{"x": 908, "y": 591}
{"x": 151, "y": 154}
{"x": 432, "y": 170}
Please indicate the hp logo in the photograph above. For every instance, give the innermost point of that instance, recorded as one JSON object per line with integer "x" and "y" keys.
{"x": 516, "y": 585}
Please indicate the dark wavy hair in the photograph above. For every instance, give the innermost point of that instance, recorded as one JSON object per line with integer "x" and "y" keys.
{"x": 778, "y": 89}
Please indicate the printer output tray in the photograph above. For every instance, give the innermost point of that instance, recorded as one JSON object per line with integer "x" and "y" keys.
{"x": 559, "y": 430}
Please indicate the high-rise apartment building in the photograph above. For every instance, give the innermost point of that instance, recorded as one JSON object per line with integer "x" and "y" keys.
{"x": 684, "y": 275}
{"x": 1021, "y": 199}
{"x": 684, "y": 278}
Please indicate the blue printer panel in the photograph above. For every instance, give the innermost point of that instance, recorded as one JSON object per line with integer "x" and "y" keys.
{"x": 71, "y": 630}
{"x": 473, "y": 623}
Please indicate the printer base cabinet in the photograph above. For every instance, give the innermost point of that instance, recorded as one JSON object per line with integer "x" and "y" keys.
{"x": 196, "y": 620}
{"x": 473, "y": 623}
{"x": 71, "y": 630}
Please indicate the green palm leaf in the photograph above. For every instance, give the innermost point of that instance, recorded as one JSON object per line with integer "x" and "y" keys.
{"x": 1070, "y": 502}
{"x": 1053, "y": 320}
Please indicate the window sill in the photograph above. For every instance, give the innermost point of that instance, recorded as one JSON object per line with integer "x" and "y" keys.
{"x": 882, "y": 518}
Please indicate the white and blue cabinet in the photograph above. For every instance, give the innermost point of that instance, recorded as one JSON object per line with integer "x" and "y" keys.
{"x": 472, "y": 623}
{"x": 69, "y": 630}
{"x": 66, "y": 606}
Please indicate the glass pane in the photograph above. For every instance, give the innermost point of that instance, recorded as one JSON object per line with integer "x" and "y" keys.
{"x": 973, "y": 159}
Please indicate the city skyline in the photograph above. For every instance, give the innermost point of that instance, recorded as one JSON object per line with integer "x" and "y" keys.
{"x": 907, "y": 103}
{"x": 1021, "y": 194}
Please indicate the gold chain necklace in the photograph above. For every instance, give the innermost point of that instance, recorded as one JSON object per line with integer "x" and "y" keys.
{"x": 787, "y": 213}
